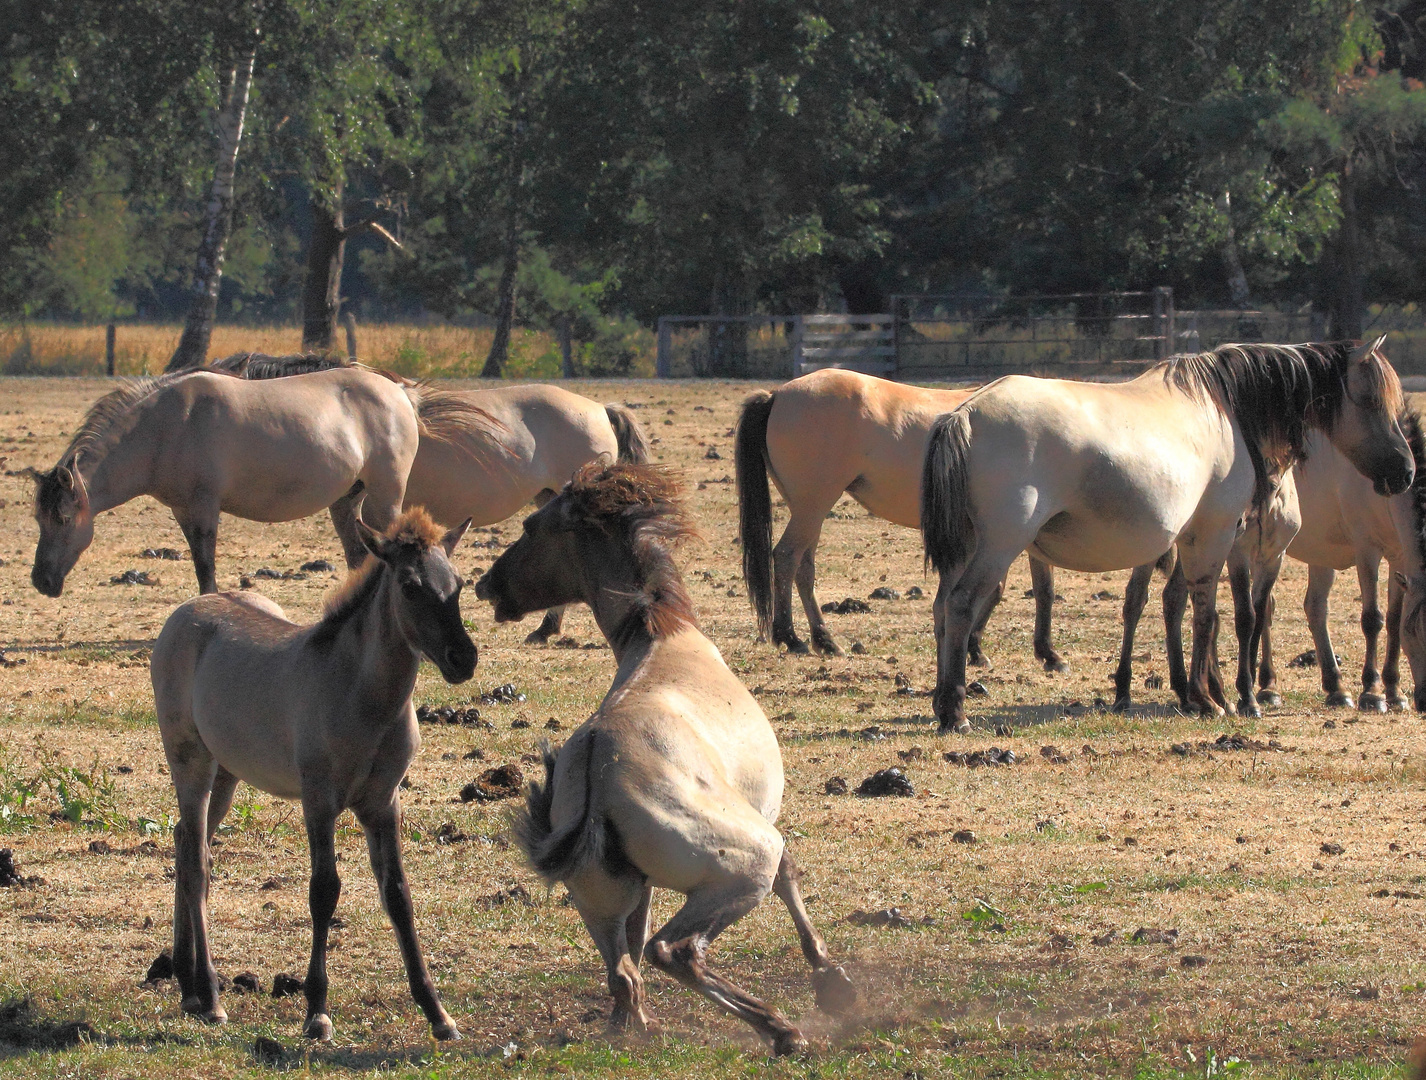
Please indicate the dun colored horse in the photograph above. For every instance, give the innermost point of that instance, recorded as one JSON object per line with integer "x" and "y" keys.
{"x": 1098, "y": 477}
{"x": 204, "y": 443}
{"x": 320, "y": 713}
{"x": 821, "y": 435}
{"x": 676, "y": 781}
{"x": 487, "y": 471}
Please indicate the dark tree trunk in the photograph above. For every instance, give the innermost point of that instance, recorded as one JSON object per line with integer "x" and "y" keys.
{"x": 322, "y": 284}
{"x": 1232, "y": 265}
{"x": 505, "y": 312}
{"x": 1344, "y": 280}
{"x": 192, "y": 348}
{"x": 566, "y": 339}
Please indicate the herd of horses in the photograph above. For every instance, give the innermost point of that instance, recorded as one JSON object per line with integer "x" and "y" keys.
{"x": 1237, "y": 456}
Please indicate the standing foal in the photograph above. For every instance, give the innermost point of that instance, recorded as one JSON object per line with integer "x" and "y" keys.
{"x": 320, "y": 713}
{"x": 676, "y": 781}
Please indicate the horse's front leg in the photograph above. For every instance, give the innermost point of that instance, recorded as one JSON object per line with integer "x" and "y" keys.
{"x": 554, "y": 618}
{"x": 1202, "y": 566}
{"x": 1391, "y": 662}
{"x": 1315, "y": 605}
{"x": 1266, "y": 606}
{"x": 344, "y": 515}
{"x": 200, "y": 528}
{"x": 1136, "y": 595}
{"x": 383, "y": 840}
{"x": 1175, "y": 601}
{"x": 962, "y": 606}
{"x": 1244, "y": 621}
{"x": 1371, "y": 698}
{"x": 323, "y": 890}
{"x": 1042, "y": 584}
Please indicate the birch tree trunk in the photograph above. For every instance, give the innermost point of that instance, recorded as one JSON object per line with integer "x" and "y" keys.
{"x": 192, "y": 348}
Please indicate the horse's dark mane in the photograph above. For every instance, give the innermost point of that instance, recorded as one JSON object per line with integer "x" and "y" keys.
{"x": 415, "y": 528}
{"x": 644, "y": 504}
{"x": 256, "y": 365}
{"x": 1278, "y": 393}
{"x": 1412, "y": 427}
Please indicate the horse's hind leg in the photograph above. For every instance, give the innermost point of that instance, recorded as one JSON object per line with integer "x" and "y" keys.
{"x": 225, "y": 784}
{"x": 193, "y": 770}
{"x": 975, "y": 654}
{"x": 1371, "y": 698}
{"x": 835, "y": 992}
{"x": 1315, "y": 604}
{"x": 1175, "y": 601}
{"x": 1136, "y": 595}
{"x": 1260, "y": 648}
{"x": 1244, "y": 622}
{"x": 200, "y": 529}
{"x": 554, "y": 617}
{"x": 1042, "y": 583}
{"x": 806, "y": 575}
{"x": 680, "y": 949}
{"x": 383, "y": 841}
{"x": 797, "y": 540}
{"x": 615, "y": 910}
{"x": 1391, "y": 662}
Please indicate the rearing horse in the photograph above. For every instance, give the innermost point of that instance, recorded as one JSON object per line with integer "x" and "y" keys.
{"x": 1097, "y": 477}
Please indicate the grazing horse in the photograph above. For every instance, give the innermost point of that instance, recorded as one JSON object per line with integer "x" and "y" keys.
{"x": 487, "y": 472}
{"x": 320, "y": 713}
{"x": 204, "y": 443}
{"x": 1098, "y": 477}
{"x": 1345, "y": 523}
{"x": 676, "y": 781}
{"x": 826, "y": 433}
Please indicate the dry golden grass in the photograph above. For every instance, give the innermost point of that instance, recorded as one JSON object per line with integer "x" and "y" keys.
{"x": 436, "y": 350}
{"x": 1308, "y": 973}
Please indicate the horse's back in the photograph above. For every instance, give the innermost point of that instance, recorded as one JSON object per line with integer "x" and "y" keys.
{"x": 834, "y": 431}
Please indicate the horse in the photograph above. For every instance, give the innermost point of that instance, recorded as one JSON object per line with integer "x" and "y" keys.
{"x": 1097, "y": 477}
{"x": 205, "y": 443}
{"x": 818, "y": 436}
{"x": 320, "y": 713}
{"x": 1347, "y": 524}
{"x": 487, "y": 471}
{"x": 676, "y": 780}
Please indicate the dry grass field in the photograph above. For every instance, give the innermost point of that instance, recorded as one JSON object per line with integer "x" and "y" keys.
{"x": 1282, "y": 891}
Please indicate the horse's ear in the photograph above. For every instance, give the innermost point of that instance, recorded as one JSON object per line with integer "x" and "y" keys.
{"x": 374, "y": 542}
{"x": 65, "y": 476}
{"x": 452, "y": 539}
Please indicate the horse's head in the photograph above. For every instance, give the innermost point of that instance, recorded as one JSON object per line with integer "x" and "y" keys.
{"x": 607, "y": 532}
{"x": 426, "y": 589}
{"x": 66, "y": 525}
{"x": 1366, "y": 428}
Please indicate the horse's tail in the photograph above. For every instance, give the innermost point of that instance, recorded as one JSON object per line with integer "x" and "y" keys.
{"x": 755, "y": 504}
{"x": 557, "y": 856}
{"x": 633, "y": 443}
{"x": 947, "y": 528}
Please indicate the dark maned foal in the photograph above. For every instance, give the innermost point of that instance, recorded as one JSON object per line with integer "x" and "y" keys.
{"x": 320, "y": 713}
{"x": 676, "y": 781}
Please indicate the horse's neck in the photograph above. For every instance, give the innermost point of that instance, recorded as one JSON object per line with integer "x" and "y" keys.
{"x": 371, "y": 644}
{"x": 121, "y": 471}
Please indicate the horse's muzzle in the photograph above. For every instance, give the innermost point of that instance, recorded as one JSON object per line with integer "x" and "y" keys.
{"x": 457, "y": 662}
{"x": 1395, "y": 481}
{"x": 50, "y": 585}
{"x": 482, "y": 587}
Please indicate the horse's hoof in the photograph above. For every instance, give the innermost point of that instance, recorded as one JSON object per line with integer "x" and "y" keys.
{"x": 835, "y": 993}
{"x": 789, "y": 1042}
{"x": 827, "y": 647}
{"x": 444, "y": 1032}
{"x": 977, "y": 659}
{"x": 1370, "y": 702}
{"x": 1340, "y": 699}
{"x": 209, "y": 1014}
{"x": 537, "y": 637}
{"x": 1121, "y": 704}
{"x": 960, "y": 727}
{"x": 1054, "y": 665}
{"x": 1249, "y": 708}
{"x": 318, "y": 1027}
{"x": 1397, "y": 703}
{"x": 797, "y": 647}
{"x": 1211, "y": 710}
{"x": 1270, "y": 698}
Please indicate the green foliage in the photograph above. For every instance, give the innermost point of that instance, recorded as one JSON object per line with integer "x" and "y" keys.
{"x": 83, "y": 797}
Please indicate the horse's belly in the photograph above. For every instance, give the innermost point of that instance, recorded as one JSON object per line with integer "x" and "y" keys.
{"x": 256, "y": 753}
{"x": 1091, "y": 544}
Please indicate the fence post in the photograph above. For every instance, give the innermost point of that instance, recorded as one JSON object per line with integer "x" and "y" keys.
{"x": 663, "y": 361}
{"x": 1163, "y": 322}
{"x": 895, "y": 372}
{"x": 109, "y": 349}
{"x": 797, "y": 325}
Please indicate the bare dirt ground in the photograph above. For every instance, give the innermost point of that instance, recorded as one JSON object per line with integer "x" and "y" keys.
{"x": 1280, "y": 888}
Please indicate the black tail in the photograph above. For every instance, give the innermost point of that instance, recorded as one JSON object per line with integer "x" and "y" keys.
{"x": 755, "y": 505}
{"x": 555, "y": 856}
{"x": 947, "y": 529}
{"x": 633, "y": 443}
